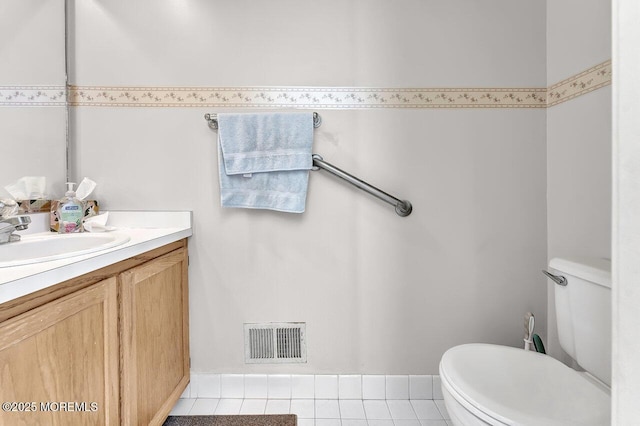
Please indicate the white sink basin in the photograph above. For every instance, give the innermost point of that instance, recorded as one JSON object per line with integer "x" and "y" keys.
{"x": 48, "y": 246}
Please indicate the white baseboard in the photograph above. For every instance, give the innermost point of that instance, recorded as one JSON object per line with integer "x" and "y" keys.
{"x": 308, "y": 386}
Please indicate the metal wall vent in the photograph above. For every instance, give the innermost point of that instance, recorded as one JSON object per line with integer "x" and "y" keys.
{"x": 275, "y": 343}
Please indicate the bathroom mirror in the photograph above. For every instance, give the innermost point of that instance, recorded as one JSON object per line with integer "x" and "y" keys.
{"x": 33, "y": 106}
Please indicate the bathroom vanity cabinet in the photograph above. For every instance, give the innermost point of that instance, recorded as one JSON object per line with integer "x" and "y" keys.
{"x": 106, "y": 348}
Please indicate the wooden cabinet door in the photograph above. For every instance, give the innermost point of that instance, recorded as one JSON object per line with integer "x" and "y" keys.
{"x": 59, "y": 362}
{"x": 154, "y": 338}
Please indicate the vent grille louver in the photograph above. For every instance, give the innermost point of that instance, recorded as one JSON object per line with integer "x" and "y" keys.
{"x": 275, "y": 343}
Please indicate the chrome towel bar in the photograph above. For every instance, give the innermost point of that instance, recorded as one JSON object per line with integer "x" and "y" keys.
{"x": 403, "y": 207}
{"x": 212, "y": 119}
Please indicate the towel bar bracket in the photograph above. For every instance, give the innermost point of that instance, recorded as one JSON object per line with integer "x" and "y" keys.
{"x": 403, "y": 208}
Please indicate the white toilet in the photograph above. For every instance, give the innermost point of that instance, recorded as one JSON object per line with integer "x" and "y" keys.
{"x": 487, "y": 384}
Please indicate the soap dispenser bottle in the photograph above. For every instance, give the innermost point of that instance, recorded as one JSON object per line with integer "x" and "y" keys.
{"x": 70, "y": 212}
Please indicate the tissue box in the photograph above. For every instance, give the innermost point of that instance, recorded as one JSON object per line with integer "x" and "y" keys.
{"x": 33, "y": 206}
{"x": 91, "y": 208}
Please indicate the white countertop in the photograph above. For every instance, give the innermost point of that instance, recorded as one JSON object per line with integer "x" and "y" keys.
{"x": 146, "y": 230}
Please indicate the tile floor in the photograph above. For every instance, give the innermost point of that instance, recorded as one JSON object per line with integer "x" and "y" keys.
{"x": 327, "y": 412}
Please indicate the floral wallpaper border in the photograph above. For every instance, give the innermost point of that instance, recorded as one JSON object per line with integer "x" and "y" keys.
{"x": 306, "y": 97}
{"x": 580, "y": 84}
{"x": 32, "y": 96}
{"x": 311, "y": 97}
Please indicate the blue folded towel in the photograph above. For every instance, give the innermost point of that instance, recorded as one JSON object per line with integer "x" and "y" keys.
{"x": 264, "y": 160}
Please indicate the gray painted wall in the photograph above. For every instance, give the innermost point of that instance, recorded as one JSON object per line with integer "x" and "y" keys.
{"x": 380, "y": 294}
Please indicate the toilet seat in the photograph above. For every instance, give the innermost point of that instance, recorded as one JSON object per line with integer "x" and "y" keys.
{"x": 510, "y": 386}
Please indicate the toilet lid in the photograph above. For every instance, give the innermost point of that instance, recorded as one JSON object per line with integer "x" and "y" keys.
{"x": 521, "y": 387}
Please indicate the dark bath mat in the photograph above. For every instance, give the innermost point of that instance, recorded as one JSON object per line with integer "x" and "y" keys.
{"x": 265, "y": 420}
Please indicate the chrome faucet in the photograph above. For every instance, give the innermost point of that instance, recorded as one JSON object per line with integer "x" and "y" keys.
{"x": 8, "y": 225}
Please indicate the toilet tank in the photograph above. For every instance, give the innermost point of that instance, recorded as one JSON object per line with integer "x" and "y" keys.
{"x": 583, "y": 311}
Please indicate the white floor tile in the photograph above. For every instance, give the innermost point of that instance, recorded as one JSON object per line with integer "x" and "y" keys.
{"x": 302, "y": 386}
{"x": 232, "y": 386}
{"x": 279, "y": 386}
{"x": 406, "y": 422}
{"x": 380, "y": 422}
{"x": 327, "y": 409}
{"x": 401, "y": 410}
{"x": 204, "y": 407}
{"x": 303, "y": 408}
{"x": 351, "y": 409}
{"x": 328, "y": 422}
{"x": 397, "y": 387}
{"x": 182, "y": 407}
{"x": 255, "y": 386}
{"x": 442, "y": 408}
{"x": 354, "y": 422}
{"x": 437, "y": 388}
{"x": 326, "y": 386}
{"x": 373, "y": 387}
{"x": 229, "y": 406}
{"x": 253, "y": 406}
{"x": 420, "y": 387}
{"x": 424, "y": 422}
{"x": 206, "y": 386}
{"x": 426, "y": 410}
{"x": 306, "y": 422}
{"x": 376, "y": 409}
{"x": 277, "y": 406}
{"x": 350, "y": 386}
